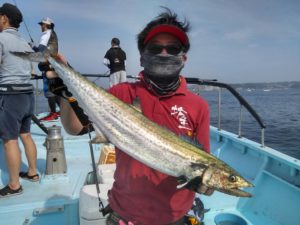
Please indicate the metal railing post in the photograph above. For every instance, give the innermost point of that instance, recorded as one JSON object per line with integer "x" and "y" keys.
{"x": 219, "y": 109}
{"x": 240, "y": 122}
{"x": 263, "y": 137}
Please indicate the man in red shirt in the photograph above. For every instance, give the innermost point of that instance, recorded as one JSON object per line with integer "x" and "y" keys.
{"x": 142, "y": 195}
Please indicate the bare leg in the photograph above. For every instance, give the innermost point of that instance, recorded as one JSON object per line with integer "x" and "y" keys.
{"x": 69, "y": 119}
{"x": 13, "y": 159}
{"x": 31, "y": 152}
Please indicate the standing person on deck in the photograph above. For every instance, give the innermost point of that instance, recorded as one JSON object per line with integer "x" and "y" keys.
{"x": 115, "y": 60}
{"x": 48, "y": 38}
{"x": 16, "y": 101}
{"x": 140, "y": 194}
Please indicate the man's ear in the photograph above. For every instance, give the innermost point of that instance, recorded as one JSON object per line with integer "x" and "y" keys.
{"x": 5, "y": 19}
{"x": 141, "y": 62}
{"x": 184, "y": 57}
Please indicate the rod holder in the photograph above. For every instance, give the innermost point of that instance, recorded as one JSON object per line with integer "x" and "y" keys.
{"x": 56, "y": 159}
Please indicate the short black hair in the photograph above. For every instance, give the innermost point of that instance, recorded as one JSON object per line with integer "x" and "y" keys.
{"x": 115, "y": 41}
{"x": 13, "y": 14}
{"x": 165, "y": 18}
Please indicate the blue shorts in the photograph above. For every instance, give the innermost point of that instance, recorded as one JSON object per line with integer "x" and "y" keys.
{"x": 47, "y": 92}
{"x": 15, "y": 115}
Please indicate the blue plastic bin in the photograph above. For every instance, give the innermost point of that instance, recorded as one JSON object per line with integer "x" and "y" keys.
{"x": 229, "y": 219}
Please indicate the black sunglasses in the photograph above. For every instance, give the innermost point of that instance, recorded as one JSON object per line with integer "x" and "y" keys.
{"x": 171, "y": 49}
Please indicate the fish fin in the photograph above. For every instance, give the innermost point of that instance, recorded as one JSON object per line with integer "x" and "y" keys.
{"x": 179, "y": 186}
{"x": 137, "y": 104}
{"x": 32, "y": 56}
{"x": 182, "y": 181}
{"x": 100, "y": 138}
{"x": 193, "y": 184}
{"x": 136, "y": 108}
{"x": 198, "y": 209}
{"x": 198, "y": 166}
{"x": 192, "y": 141}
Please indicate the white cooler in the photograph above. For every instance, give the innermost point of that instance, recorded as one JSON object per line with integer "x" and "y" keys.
{"x": 88, "y": 201}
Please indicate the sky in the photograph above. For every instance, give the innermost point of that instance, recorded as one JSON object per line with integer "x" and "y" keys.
{"x": 233, "y": 41}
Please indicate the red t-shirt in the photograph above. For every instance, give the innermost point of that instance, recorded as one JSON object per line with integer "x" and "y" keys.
{"x": 141, "y": 194}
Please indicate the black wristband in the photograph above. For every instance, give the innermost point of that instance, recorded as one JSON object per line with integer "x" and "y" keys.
{"x": 83, "y": 118}
{"x": 57, "y": 87}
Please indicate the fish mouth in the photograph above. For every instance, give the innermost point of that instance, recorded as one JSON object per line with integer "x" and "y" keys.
{"x": 236, "y": 192}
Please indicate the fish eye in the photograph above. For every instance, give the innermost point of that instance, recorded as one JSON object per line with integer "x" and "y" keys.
{"x": 232, "y": 178}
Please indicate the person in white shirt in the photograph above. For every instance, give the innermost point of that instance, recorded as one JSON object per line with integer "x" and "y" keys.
{"x": 48, "y": 38}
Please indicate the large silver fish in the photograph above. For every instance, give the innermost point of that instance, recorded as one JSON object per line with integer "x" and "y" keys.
{"x": 144, "y": 140}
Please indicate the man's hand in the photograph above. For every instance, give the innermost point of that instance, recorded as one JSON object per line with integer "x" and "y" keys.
{"x": 31, "y": 44}
{"x": 35, "y": 76}
{"x": 57, "y": 86}
{"x": 197, "y": 186}
{"x": 44, "y": 66}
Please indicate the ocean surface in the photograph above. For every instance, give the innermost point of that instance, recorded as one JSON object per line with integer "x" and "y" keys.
{"x": 279, "y": 109}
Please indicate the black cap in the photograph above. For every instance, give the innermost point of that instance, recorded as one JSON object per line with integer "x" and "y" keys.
{"x": 12, "y": 12}
{"x": 115, "y": 41}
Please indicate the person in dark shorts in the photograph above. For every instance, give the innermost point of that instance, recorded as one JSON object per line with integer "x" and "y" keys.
{"x": 115, "y": 60}
{"x": 16, "y": 101}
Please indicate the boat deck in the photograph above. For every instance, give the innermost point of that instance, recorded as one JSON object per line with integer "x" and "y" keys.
{"x": 49, "y": 200}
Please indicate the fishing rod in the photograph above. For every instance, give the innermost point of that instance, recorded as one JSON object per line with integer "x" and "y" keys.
{"x": 105, "y": 74}
{"x": 101, "y": 205}
{"x": 31, "y": 39}
{"x": 39, "y": 124}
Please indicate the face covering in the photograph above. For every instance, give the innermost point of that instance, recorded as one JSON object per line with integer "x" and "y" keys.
{"x": 162, "y": 65}
{"x": 162, "y": 71}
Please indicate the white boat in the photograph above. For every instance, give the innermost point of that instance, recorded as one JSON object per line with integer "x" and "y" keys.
{"x": 70, "y": 197}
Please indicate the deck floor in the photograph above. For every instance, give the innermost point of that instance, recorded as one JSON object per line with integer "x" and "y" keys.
{"x": 53, "y": 192}
{"x": 54, "y": 199}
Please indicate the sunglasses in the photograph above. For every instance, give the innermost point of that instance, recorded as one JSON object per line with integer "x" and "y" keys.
{"x": 171, "y": 49}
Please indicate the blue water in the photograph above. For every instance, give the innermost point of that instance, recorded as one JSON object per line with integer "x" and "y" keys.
{"x": 278, "y": 108}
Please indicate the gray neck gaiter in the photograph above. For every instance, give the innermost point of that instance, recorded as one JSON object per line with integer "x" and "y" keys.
{"x": 162, "y": 65}
{"x": 162, "y": 71}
